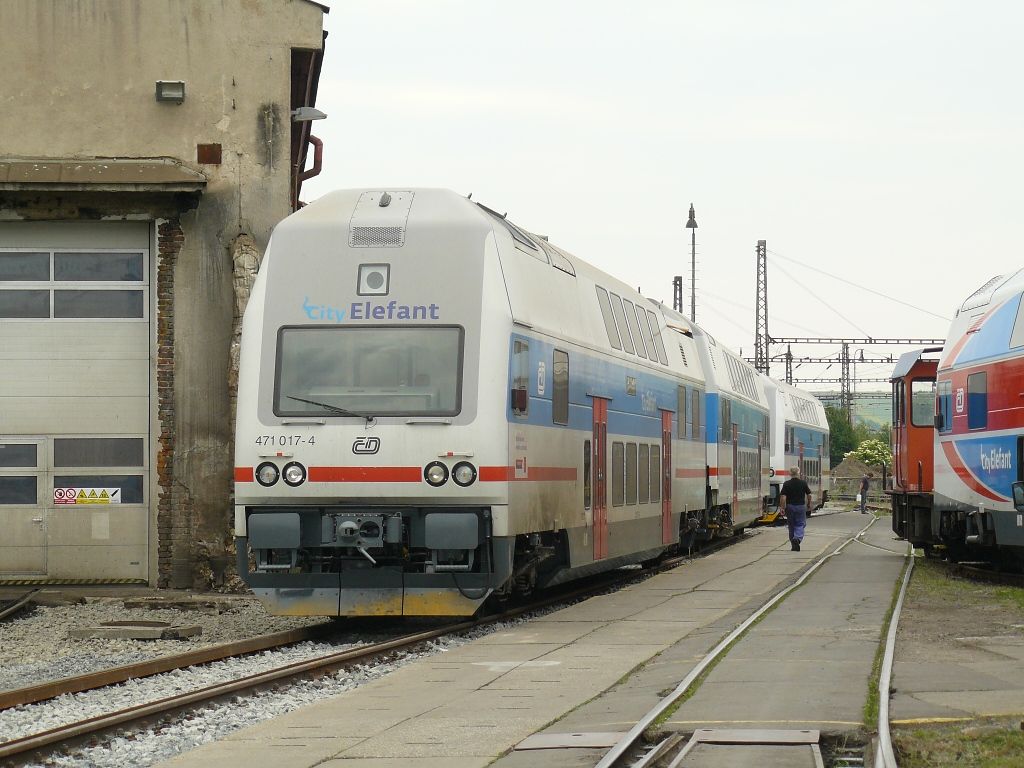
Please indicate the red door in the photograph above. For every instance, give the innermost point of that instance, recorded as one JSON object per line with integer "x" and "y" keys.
{"x": 668, "y": 536}
{"x": 600, "y": 478}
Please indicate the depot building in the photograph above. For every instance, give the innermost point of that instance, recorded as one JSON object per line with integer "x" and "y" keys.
{"x": 149, "y": 149}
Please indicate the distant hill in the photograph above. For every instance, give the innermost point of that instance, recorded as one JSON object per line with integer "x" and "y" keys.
{"x": 871, "y": 408}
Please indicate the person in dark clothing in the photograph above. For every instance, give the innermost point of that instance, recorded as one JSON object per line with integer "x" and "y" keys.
{"x": 795, "y": 498}
{"x": 864, "y": 482}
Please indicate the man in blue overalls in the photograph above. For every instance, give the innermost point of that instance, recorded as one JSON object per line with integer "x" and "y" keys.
{"x": 795, "y": 498}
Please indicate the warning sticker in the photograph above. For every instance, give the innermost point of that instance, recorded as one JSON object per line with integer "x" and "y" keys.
{"x": 86, "y": 495}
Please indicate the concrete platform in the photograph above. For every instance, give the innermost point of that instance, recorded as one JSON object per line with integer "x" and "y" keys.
{"x": 599, "y": 665}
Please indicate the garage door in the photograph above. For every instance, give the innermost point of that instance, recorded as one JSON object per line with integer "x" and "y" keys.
{"x": 75, "y": 411}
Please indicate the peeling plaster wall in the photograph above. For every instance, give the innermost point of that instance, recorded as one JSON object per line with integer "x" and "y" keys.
{"x": 79, "y": 81}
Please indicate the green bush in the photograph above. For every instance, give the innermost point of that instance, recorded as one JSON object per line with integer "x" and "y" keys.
{"x": 874, "y": 453}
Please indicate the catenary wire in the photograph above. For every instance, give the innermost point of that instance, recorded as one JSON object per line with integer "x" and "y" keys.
{"x": 822, "y": 301}
{"x": 858, "y": 285}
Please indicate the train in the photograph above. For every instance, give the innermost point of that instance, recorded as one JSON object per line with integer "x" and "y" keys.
{"x": 800, "y": 438}
{"x": 438, "y": 408}
{"x": 957, "y": 488}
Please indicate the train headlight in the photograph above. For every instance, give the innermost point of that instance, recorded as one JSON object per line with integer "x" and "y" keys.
{"x": 464, "y": 473}
{"x": 435, "y": 473}
{"x": 267, "y": 474}
{"x": 294, "y": 473}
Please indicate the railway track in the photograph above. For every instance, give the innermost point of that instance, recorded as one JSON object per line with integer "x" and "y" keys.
{"x": 12, "y": 607}
{"x": 635, "y": 751}
{"x": 36, "y": 745}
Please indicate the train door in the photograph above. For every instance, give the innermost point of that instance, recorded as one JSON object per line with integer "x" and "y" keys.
{"x": 600, "y": 501}
{"x": 735, "y": 470}
{"x": 668, "y": 536}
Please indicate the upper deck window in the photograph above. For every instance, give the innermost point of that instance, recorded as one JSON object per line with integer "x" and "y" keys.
{"x": 609, "y": 321}
{"x": 369, "y": 371}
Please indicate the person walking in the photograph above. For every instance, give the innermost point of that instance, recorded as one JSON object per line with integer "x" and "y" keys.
{"x": 864, "y": 483}
{"x": 795, "y": 498}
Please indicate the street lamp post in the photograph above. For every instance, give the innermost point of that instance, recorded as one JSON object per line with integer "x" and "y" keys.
{"x": 692, "y": 226}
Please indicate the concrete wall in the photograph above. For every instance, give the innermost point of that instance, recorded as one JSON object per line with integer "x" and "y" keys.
{"x": 78, "y": 82}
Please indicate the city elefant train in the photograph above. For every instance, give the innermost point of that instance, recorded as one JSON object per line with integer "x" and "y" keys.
{"x": 958, "y": 432}
{"x": 436, "y": 406}
{"x": 800, "y": 438}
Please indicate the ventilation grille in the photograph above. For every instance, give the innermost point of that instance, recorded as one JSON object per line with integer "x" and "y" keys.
{"x": 683, "y": 353}
{"x": 376, "y": 237}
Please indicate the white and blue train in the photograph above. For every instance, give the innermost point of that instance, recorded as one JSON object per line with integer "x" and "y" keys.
{"x": 436, "y": 407}
{"x": 800, "y": 438}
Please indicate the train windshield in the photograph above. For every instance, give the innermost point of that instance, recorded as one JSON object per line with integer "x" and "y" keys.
{"x": 369, "y": 371}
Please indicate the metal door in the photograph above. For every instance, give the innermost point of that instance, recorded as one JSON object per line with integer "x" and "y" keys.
{"x": 24, "y": 486}
{"x": 667, "y": 534}
{"x": 600, "y": 474}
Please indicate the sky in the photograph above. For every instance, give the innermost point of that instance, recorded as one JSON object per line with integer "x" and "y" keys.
{"x": 873, "y": 144}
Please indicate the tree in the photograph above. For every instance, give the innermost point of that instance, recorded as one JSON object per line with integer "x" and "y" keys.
{"x": 874, "y": 453}
{"x": 841, "y": 439}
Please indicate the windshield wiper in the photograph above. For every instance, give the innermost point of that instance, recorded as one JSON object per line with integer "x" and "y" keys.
{"x": 333, "y": 408}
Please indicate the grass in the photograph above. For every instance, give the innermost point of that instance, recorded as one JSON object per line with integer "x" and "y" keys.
{"x": 995, "y": 744}
{"x": 985, "y": 743}
{"x": 931, "y": 579}
{"x": 871, "y": 704}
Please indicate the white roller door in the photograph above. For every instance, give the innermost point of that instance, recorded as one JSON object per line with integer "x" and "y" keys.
{"x": 75, "y": 343}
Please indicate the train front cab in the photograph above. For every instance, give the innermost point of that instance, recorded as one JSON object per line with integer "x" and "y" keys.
{"x": 913, "y": 440}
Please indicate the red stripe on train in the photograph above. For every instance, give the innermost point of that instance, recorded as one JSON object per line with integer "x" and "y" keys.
{"x": 533, "y": 474}
{"x": 245, "y": 475}
{"x": 365, "y": 474}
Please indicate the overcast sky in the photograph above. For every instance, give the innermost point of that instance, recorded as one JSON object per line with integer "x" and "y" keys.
{"x": 880, "y": 142}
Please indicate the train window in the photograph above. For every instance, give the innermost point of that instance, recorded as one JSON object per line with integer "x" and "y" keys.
{"x": 560, "y": 387}
{"x": 374, "y": 370}
{"x": 631, "y": 473}
{"x": 643, "y": 466}
{"x": 655, "y": 473}
{"x": 586, "y": 474}
{"x": 520, "y": 377}
{"x": 725, "y": 422}
{"x": 609, "y": 321}
{"x": 1017, "y": 336}
{"x": 620, "y": 323}
{"x": 638, "y": 340}
{"x": 789, "y": 439}
{"x": 922, "y": 403}
{"x": 15, "y": 489}
{"x": 977, "y": 401}
{"x": 697, "y": 407}
{"x": 682, "y": 413}
{"x": 618, "y": 468}
{"x": 645, "y": 331}
{"x": 659, "y": 343}
{"x": 944, "y": 406}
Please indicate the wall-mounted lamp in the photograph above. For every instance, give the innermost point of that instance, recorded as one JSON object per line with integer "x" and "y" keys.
{"x": 170, "y": 90}
{"x": 303, "y": 114}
